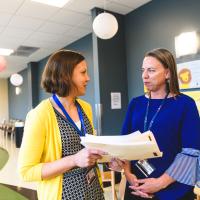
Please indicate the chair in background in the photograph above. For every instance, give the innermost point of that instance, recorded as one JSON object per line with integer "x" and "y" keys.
{"x": 10, "y": 132}
{"x": 122, "y": 186}
{"x": 12, "y": 137}
{"x": 3, "y": 134}
{"x": 7, "y": 129}
{"x": 109, "y": 176}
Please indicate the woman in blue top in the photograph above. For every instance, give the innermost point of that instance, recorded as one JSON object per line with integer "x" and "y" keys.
{"x": 173, "y": 118}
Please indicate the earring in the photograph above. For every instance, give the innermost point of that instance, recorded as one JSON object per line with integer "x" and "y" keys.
{"x": 168, "y": 85}
{"x": 168, "y": 81}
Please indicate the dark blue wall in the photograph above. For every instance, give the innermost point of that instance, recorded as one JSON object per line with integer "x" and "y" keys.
{"x": 19, "y": 105}
{"x": 33, "y": 77}
{"x": 112, "y": 77}
{"x": 32, "y": 93}
{"x": 150, "y": 26}
{"x": 155, "y": 25}
{"x": 84, "y": 46}
{"x": 41, "y": 93}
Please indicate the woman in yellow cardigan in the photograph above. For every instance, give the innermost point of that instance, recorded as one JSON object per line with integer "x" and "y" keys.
{"x": 51, "y": 152}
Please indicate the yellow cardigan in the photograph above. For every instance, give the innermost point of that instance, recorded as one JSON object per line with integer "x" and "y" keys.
{"x": 42, "y": 143}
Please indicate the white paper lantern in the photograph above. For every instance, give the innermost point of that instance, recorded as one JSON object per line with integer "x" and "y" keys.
{"x": 105, "y": 25}
{"x": 16, "y": 79}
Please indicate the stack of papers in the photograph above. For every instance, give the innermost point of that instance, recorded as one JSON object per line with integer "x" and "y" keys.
{"x": 134, "y": 146}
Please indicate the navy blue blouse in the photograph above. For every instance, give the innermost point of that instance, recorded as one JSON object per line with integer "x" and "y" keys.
{"x": 176, "y": 127}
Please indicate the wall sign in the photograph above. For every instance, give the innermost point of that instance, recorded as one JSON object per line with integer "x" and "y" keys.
{"x": 189, "y": 74}
{"x": 116, "y": 100}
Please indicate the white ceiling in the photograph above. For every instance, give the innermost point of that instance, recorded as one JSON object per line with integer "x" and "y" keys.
{"x": 27, "y": 23}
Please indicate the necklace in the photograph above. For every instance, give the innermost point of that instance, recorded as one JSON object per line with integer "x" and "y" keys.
{"x": 155, "y": 115}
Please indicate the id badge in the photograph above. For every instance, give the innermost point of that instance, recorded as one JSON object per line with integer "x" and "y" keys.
{"x": 90, "y": 176}
{"x": 145, "y": 167}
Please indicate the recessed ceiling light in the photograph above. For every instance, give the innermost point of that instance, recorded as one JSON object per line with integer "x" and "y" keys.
{"x": 6, "y": 52}
{"x": 56, "y": 3}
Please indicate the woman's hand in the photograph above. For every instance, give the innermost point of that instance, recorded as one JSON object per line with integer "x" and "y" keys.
{"x": 142, "y": 194}
{"x": 120, "y": 165}
{"x": 116, "y": 164}
{"x": 137, "y": 190}
{"x": 152, "y": 185}
{"x": 133, "y": 181}
{"x": 87, "y": 157}
{"x": 148, "y": 185}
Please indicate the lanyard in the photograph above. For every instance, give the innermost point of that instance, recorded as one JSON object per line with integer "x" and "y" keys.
{"x": 155, "y": 115}
{"x": 80, "y": 132}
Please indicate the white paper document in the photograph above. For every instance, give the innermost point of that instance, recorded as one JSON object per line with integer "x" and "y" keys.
{"x": 134, "y": 146}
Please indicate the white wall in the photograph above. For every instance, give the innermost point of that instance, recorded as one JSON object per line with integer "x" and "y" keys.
{"x": 3, "y": 100}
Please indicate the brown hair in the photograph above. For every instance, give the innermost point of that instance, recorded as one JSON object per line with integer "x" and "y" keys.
{"x": 57, "y": 74}
{"x": 167, "y": 59}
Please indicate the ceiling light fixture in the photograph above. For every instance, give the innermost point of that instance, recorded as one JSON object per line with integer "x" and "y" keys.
{"x": 105, "y": 25}
{"x": 186, "y": 44}
{"x": 16, "y": 79}
{"x": 56, "y": 3}
{"x": 6, "y": 52}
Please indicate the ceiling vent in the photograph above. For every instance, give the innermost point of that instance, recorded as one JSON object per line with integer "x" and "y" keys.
{"x": 24, "y": 51}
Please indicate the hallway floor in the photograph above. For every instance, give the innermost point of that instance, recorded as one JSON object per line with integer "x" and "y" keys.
{"x": 8, "y": 174}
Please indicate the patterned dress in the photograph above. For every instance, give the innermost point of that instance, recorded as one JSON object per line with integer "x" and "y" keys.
{"x": 75, "y": 185}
